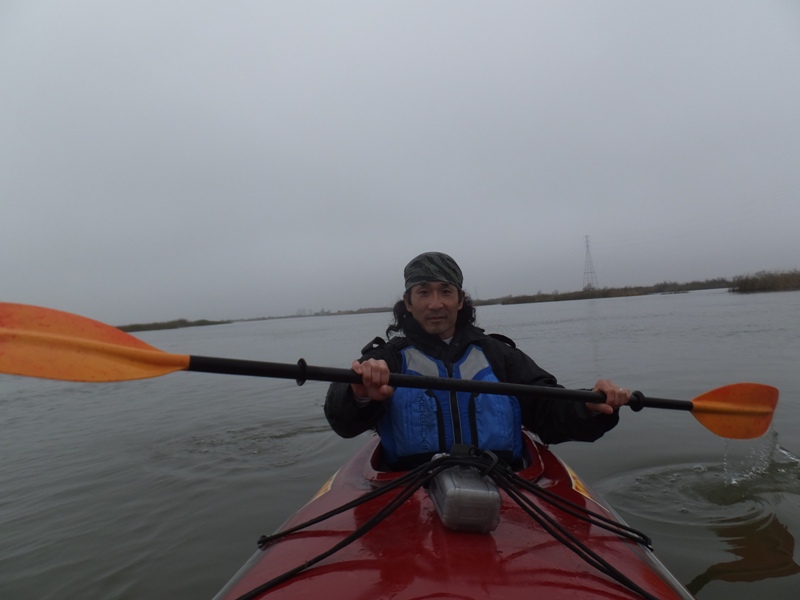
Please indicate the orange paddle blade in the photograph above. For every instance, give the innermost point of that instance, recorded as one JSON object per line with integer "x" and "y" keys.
{"x": 738, "y": 411}
{"x": 51, "y": 344}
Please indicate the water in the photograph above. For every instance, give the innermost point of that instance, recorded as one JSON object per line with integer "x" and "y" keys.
{"x": 160, "y": 488}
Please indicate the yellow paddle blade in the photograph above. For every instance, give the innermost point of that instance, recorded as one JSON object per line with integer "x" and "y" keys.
{"x": 51, "y": 344}
{"x": 738, "y": 411}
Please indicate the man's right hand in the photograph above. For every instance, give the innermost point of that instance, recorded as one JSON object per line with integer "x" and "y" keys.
{"x": 375, "y": 378}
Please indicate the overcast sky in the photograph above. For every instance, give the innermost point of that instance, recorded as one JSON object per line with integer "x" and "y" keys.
{"x": 196, "y": 159}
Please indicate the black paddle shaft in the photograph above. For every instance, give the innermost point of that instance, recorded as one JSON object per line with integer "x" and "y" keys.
{"x": 302, "y": 372}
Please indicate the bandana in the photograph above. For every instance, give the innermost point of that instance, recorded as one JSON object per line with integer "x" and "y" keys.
{"x": 432, "y": 266}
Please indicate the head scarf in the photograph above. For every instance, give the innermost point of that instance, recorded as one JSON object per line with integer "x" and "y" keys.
{"x": 432, "y": 266}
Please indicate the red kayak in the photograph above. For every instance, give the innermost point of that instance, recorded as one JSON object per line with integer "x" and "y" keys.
{"x": 466, "y": 527}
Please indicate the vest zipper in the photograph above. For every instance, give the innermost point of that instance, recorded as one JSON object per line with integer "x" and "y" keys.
{"x": 473, "y": 420}
{"x": 454, "y": 414}
{"x": 439, "y": 423}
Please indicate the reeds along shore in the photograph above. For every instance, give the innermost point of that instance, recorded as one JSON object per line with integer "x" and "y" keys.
{"x": 176, "y": 324}
{"x": 766, "y": 281}
{"x": 763, "y": 281}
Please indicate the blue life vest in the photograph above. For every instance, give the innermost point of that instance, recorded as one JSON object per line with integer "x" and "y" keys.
{"x": 419, "y": 423}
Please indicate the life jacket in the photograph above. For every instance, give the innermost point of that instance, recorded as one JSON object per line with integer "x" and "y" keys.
{"x": 420, "y": 423}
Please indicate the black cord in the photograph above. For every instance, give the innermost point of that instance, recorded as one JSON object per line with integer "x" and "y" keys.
{"x": 502, "y": 474}
{"x": 411, "y": 482}
{"x": 410, "y": 476}
{"x": 562, "y": 535}
{"x": 578, "y": 511}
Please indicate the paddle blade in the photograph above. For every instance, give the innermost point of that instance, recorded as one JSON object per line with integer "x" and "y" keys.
{"x": 738, "y": 411}
{"x": 51, "y": 344}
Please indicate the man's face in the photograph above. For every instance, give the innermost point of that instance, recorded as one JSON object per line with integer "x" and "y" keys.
{"x": 435, "y": 305}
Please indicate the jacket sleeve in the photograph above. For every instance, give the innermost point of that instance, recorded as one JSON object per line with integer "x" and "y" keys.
{"x": 554, "y": 421}
{"x": 346, "y": 416}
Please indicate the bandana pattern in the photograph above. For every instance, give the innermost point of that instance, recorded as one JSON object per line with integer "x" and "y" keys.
{"x": 433, "y": 266}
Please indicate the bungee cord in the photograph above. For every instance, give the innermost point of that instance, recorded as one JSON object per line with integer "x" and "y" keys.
{"x": 505, "y": 478}
{"x": 513, "y": 480}
{"x": 562, "y": 535}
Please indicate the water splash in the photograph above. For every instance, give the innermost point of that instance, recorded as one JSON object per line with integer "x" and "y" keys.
{"x": 753, "y": 478}
{"x": 747, "y": 460}
{"x": 742, "y": 510}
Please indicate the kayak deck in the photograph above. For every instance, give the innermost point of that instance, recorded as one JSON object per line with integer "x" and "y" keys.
{"x": 411, "y": 555}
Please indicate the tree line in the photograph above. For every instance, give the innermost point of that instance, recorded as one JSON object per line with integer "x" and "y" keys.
{"x": 762, "y": 281}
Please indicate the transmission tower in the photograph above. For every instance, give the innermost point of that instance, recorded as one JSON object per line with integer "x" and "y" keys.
{"x": 589, "y": 276}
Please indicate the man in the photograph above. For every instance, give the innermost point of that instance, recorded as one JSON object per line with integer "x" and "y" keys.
{"x": 439, "y": 338}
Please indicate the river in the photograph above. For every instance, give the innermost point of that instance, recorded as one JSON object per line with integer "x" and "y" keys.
{"x": 161, "y": 487}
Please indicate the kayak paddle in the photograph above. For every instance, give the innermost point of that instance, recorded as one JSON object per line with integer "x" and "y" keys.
{"x": 52, "y": 344}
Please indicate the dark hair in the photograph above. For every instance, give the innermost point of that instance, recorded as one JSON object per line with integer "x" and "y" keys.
{"x": 466, "y": 315}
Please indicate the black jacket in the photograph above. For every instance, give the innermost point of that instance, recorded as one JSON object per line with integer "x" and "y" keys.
{"x": 553, "y": 421}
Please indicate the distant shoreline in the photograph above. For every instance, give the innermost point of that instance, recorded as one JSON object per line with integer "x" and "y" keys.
{"x": 176, "y": 324}
{"x": 763, "y": 281}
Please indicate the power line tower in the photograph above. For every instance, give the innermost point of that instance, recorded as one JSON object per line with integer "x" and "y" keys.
{"x": 589, "y": 275}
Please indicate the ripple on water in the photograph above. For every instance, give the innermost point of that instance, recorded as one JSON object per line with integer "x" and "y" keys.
{"x": 737, "y": 491}
{"x": 249, "y": 449}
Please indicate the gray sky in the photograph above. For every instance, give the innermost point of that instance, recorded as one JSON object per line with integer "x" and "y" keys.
{"x": 237, "y": 159}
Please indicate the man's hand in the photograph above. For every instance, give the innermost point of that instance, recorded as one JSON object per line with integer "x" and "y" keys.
{"x": 375, "y": 378}
{"x": 615, "y": 397}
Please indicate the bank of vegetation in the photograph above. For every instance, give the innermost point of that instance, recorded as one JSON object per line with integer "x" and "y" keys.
{"x": 176, "y": 324}
{"x": 766, "y": 281}
{"x": 665, "y": 287}
{"x": 763, "y": 281}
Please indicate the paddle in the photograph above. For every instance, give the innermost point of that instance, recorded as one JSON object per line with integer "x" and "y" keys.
{"x": 51, "y": 344}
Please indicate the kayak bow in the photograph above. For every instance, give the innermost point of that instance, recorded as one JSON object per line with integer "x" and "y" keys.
{"x": 411, "y": 554}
